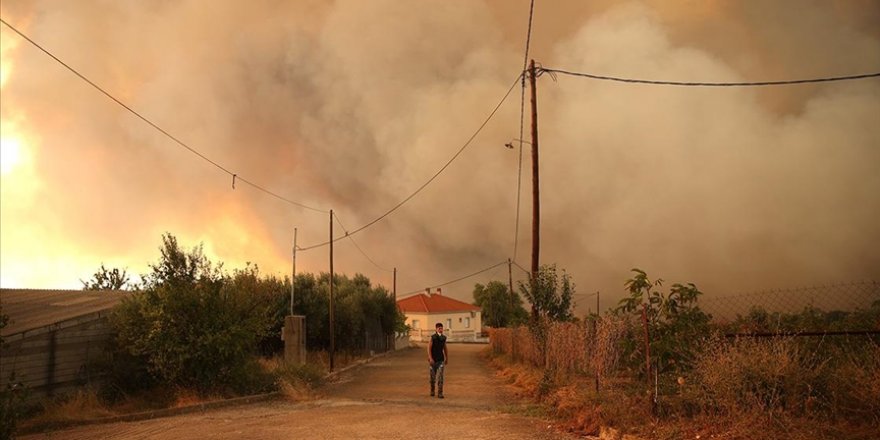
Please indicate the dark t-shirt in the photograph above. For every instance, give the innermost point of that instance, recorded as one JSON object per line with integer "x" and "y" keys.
{"x": 438, "y": 343}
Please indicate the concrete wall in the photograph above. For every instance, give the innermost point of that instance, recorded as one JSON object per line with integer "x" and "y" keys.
{"x": 458, "y": 321}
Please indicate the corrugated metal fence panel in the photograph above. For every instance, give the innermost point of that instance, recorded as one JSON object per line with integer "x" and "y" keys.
{"x": 56, "y": 360}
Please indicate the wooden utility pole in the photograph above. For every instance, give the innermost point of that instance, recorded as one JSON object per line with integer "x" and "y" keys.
{"x": 536, "y": 203}
{"x": 394, "y": 286}
{"x": 332, "y": 329}
{"x": 510, "y": 284}
{"x": 293, "y": 273}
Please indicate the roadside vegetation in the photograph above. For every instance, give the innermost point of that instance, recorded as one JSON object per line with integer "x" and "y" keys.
{"x": 659, "y": 367}
{"x": 193, "y": 332}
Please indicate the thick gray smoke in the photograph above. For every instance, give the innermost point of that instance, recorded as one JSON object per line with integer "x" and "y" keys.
{"x": 352, "y": 105}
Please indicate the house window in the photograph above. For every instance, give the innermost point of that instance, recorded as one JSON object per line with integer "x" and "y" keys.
{"x": 467, "y": 322}
{"x": 449, "y": 324}
{"x": 415, "y": 323}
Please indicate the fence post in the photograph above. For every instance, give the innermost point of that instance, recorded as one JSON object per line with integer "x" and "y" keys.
{"x": 596, "y": 351}
{"x": 513, "y": 333}
{"x": 648, "y": 356}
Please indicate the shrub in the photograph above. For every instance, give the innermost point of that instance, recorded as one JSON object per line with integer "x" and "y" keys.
{"x": 768, "y": 376}
{"x": 197, "y": 336}
{"x": 855, "y": 387}
{"x": 191, "y": 326}
{"x": 675, "y": 324}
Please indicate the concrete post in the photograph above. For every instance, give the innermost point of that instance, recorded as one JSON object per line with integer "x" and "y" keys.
{"x": 294, "y": 336}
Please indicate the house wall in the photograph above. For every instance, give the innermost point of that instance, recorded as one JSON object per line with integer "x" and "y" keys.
{"x": 457, "y": 331}
{"x": 57, "y": 358}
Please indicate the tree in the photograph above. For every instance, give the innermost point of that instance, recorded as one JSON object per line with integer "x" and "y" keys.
{"x": 178, "y": 267}
{"x": 109, "y": 279}
{"x": 191, "y": 325}
{"x": 675, "y": 321}
{"x": 499, "y": 306}
{"x": 550, "y": 294}
{"x": 361, "y": 312}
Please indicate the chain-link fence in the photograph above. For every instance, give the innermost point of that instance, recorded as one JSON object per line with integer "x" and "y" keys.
{"x": 841, "y": 297}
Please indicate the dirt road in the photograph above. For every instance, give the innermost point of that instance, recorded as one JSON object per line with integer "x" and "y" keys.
{"x": 385, "y": 399}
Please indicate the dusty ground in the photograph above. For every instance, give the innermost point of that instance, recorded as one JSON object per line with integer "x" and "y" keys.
{"x": 385, "y": 399}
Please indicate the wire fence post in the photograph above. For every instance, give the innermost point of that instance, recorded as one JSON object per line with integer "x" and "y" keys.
{"x": 648, "y": 356}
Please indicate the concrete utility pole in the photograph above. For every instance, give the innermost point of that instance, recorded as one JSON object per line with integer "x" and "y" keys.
{"x": 332, "y": 329}
{"x": 536, "y": 202}
{"x": 293, "y": 273}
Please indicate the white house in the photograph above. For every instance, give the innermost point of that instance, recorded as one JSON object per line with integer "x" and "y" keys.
{"x": 461, "y": 321}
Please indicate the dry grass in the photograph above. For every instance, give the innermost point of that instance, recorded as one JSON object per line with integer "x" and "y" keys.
{"x": 340, "y": 360}
{"x": 185, "y": 397}
{"x": 296, "y": 382}
{"x": 81, "y": 405}
{"x": 573, "y": 401}
{"x": 781, "y": 388}
{"x": 571, "y": 348}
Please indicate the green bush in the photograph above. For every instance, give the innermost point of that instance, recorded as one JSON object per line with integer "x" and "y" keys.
{"x": 361, "y": 311}
{"x": 676, "y": 324}
{"x": 191, "y": 326}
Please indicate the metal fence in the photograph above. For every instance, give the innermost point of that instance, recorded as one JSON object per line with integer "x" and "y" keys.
{"x": 846, "y": 297}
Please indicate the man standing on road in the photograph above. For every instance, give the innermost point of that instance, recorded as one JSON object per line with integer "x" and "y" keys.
{"x": 438, "y": 357}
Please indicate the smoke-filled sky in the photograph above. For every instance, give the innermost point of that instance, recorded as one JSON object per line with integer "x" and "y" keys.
{"x": 352, "y": 105}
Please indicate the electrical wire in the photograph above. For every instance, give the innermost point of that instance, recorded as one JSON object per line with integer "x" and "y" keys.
{"x": 408, "y": 294}
{"x": 443, "y": 168}
{"x": 356, "y": 245}
{"x": 521, "y": 268}
{"x": 522, "y": 106}
{"x": 709, "y": 84}
{"x": 236, "y": 177}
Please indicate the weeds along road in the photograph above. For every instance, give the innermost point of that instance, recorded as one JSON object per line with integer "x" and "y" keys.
{"x": 385, "y": 399}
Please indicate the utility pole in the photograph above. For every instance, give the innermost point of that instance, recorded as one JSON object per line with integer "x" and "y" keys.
{"x": 293, "y": 273}
{"x": 332, "y": 329}
{"x": 510, "y": 283}
{"x": 394, "y": 284}
{"x": 536, "y": 203}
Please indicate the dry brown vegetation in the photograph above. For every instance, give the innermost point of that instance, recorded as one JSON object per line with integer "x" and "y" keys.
{"x": 294, "y": 382}
{"x": 781, "y": 388}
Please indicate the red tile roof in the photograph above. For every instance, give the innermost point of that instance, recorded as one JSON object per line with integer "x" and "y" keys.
{"x": 422, "y": 303}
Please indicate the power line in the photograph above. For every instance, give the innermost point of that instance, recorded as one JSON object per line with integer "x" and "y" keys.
{"x": 160, "y": 129}
{"x": 347, "y": 234}
{"x": 456, "y": 280}
{"x": 709, "y": 84}
{"x": 521, "y": 268}
{"x": 443, "y": 168}
{"x": 529, "y": 34}
{"x": 522, "y": 104}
